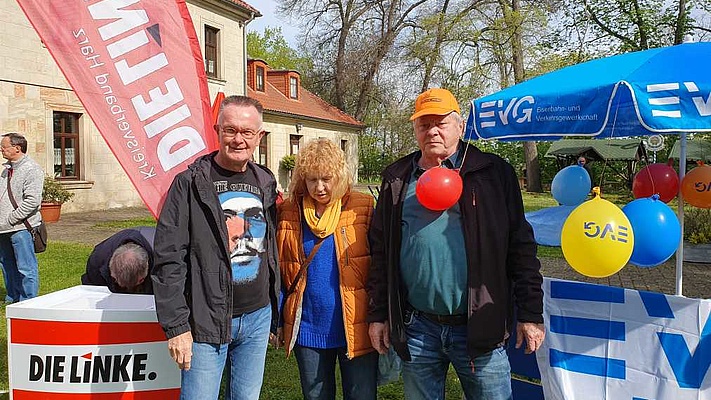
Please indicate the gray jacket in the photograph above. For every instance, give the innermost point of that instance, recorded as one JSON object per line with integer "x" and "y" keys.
{"x": 27, "y": 181}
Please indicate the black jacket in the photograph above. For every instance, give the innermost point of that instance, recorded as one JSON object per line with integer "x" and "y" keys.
{"x": 97, "y": 266}
{"x": 192, "y": 278}
{"x": 501, "y": 253}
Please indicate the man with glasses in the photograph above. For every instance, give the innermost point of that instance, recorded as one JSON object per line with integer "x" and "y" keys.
{"x": 216, "y": 277}
{"x": 21, "y": 188}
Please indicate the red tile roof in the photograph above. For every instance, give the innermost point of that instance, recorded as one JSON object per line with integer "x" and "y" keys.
{"x": 308, "y": 105}
{"x": 246, "y": 6}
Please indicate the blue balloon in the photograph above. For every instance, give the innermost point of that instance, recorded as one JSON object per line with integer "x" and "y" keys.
{"x": 656, "y": 231}
{"x": 571, "y": 185}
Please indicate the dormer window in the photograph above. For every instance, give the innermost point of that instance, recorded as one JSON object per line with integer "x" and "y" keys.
{"x": 260, "y": 79}
{"x": 293, "y": 88}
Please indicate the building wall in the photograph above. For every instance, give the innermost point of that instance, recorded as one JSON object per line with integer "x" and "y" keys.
{"x": 230, "y": 41}
{"x": 32, "y": 87}
{"x": 278, "y": 143}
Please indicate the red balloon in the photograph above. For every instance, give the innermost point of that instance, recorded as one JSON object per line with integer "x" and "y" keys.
{"x": 696, "y": 187}
{"x": 439, "y": 188}
{"x": 658, "y": 179}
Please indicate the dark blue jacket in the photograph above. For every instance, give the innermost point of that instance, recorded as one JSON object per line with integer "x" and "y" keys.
{"x": 97, "y": 266}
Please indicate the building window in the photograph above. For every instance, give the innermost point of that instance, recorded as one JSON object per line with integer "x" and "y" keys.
{"x": 344, "y": 145}
{"x": 293, "y": 87}
{"x": 66, "y": 145}
{"x": 260, "y": 79}
{"x": 263, "y": 149}
{"x": 294, "y": 144}
{"x": 211, "y": 51}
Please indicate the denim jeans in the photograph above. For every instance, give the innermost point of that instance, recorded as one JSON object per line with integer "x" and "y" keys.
{"x": 434, "y": 346}
{"x": 19, "y": 265}
{"x": 247, "y": 351}
{"x": 317, "y": 370}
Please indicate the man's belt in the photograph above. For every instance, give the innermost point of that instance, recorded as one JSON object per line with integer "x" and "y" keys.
{"x": 454, "y": 320}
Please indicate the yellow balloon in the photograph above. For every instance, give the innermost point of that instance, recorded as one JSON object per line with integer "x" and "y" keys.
{"x": 597, "y": 238}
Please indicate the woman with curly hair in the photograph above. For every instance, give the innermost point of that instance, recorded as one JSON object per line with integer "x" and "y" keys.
{"x": 324, "y": 259}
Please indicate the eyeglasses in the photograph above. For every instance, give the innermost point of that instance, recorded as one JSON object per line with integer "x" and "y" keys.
{"x": 230, "y": 132}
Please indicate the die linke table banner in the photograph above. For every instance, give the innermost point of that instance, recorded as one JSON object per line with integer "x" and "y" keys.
{"x": 86, "y": 343}
{"x": 605, "y": 342}
{"x": 137, "y": 68}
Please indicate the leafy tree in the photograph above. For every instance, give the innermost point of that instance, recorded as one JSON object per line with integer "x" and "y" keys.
{"x": 631, "y": 25}
{"x": 274, "y": 49}
{"x": 356, "y": 36}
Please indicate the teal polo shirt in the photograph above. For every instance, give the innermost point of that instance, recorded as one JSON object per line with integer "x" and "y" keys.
{"x": 433, "y": 259}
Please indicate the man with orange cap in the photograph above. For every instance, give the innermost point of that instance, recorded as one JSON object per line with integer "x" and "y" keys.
{"x": 443, "y": 284}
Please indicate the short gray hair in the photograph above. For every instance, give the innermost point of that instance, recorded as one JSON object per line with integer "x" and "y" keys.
{"x": 129, "y": 264}
{"x": 17, "y": 139}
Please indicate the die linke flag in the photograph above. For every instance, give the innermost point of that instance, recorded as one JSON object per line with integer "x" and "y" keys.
{"x": 137, "y": 68}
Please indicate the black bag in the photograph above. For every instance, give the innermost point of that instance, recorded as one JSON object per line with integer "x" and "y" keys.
{"x": 39, "y": 236}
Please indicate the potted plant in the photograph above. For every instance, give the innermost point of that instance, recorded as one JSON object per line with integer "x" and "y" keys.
{"x": 288, "y": 162}
{"x": 53, "y": 196}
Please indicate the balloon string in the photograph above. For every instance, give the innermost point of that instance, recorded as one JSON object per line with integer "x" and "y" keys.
{"x": 609, "y": 141}
{"x": 651, "y": 178}
{"x": 596, "y": 191}
{"x": 464, "y": 157}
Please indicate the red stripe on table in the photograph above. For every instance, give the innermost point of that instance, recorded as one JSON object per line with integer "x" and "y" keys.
{"x": 163, "y": 394}
{"x": 62, "y": 333}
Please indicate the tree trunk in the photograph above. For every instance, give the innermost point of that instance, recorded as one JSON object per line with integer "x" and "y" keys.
{"x": 530, "y": 152}
{"x": 437, "y": 48}
{"x": 340, "y": 71}
{"x": 681, "y": 23}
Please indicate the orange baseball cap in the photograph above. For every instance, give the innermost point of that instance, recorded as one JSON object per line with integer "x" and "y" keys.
{"x": 435, "y": 101}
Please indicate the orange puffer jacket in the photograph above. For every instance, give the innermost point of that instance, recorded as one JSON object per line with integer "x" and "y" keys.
{"x": 353, "y": 254}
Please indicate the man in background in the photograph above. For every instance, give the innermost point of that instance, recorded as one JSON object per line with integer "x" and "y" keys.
{"x": 21, "y": 188}
{"x": 122, "y": 262}
{"x": 583, "y": 162}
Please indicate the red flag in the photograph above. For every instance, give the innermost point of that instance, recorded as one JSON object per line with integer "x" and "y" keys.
{"x": 216, "y": 106}
{"x": 137, "y": 68}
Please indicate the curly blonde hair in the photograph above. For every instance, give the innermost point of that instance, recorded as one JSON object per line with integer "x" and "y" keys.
{"x": 321, "y": 157}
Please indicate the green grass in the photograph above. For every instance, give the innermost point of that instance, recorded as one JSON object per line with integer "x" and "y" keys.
{"x": 537, "y": 201}
{"x": 129, "y": 223}
{"x": 550, "y": 252}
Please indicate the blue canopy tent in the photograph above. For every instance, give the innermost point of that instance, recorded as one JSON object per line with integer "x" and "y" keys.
{"x": 660, "y": 91}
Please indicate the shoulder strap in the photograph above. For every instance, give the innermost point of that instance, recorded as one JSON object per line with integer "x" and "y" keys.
{"x": 304, "y": 266}
{"x": 12, "y": 198}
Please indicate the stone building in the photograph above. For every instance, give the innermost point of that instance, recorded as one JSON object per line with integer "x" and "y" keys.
{"x": 37, "y": 101}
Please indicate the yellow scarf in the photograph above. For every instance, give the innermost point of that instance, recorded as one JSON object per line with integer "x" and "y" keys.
{"x": 325, "y": 225}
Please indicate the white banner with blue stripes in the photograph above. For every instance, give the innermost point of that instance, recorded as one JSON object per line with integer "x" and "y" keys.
{"x": 605, "y": 342}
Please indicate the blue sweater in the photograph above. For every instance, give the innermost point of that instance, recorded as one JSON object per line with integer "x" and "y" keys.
{"x": 322, "y": 311}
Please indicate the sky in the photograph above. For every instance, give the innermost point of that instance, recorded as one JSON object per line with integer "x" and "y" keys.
{"x": 269, "y": 18}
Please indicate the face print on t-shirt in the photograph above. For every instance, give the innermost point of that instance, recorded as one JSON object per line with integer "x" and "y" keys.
{"x": 246, "y": 227}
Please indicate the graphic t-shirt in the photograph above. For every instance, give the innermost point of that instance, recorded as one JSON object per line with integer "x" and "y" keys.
{"x": 241, "y": 200}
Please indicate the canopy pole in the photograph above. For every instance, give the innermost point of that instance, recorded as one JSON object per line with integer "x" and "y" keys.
{"x": 680, "y": 199}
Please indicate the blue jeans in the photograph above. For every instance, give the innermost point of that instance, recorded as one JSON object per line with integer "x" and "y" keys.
{"x": 247, "y": 351}
{"x": 434, "y": 346}
{"x": 19, "y": 265}
{"x": 317, "y": 370}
